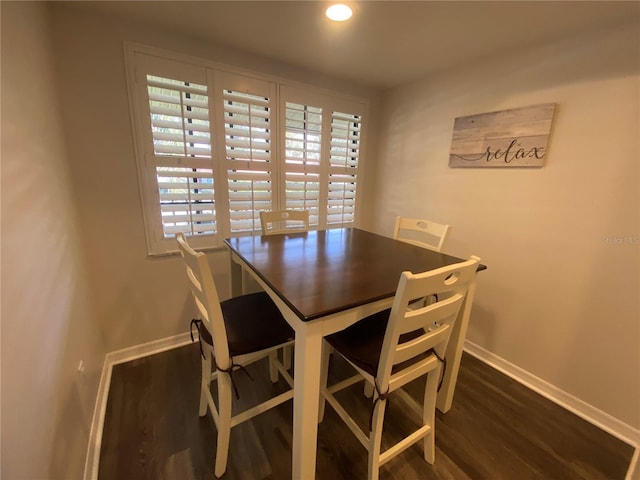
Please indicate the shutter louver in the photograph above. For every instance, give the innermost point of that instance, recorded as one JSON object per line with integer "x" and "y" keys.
{"x": 248, "y": 158}
{"x": 303, "y": 126}
{"x": 181, "y": 136}
{"x": 343, "y": 167}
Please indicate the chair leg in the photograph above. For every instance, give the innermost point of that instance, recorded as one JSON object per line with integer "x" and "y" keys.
{"x": 324, "y": 376}
{"x": 205, "y": 380}
{"x": 368, "y": 390}
{"x": 224, "y": 425}
{"x": 375, "y": 439}
{"x": 286, "y": 357}
{"x": 273, "y": 371}
{"x": 429, "y": 414}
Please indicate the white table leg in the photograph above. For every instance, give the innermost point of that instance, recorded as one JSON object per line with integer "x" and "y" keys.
{"x": 308, "y": 353}
{"x": 454, "y": 353}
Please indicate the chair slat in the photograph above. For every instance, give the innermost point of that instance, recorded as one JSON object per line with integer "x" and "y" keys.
{"x": 421, "y": 232}
{"x": 413, "y": 348}
{"x": 436, "y": 312}
{"x": 280, "y": 221}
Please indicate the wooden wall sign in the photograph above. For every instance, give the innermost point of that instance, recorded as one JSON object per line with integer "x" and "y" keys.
{"x": 508, "y": 138}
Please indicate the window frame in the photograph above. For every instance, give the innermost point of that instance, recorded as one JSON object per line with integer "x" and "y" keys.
{"x": 141, "y": 60}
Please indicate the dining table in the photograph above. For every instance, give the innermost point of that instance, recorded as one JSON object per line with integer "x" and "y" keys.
{"x": 324, "y": 281}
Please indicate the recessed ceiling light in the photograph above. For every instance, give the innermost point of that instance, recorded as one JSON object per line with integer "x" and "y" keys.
{"x": 339, "y": 12}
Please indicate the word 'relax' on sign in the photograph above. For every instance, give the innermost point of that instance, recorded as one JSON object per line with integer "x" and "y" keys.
{"x": 508, "y": 138}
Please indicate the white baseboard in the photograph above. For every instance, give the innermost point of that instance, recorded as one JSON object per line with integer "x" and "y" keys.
{"x": 593, "y": 415}
{"x": 113, "y": 358}
{"x": 145, "y": 349}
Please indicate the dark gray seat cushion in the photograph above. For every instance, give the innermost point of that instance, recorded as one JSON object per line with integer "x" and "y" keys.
{"x": 253, "y": 323}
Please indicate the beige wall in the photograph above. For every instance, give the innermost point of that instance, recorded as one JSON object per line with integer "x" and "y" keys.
{"x": 558, "y": 299}
{"x": 48, "y": 325}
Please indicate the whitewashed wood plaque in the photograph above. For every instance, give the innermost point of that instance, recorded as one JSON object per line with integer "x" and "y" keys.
{"x": 508, "y": 138}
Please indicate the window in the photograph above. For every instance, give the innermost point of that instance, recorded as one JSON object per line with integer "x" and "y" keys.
{"x": 322, "y": 149}
{"x": 303, "y": 134}
{"x": 343, "y": 164}
{"x": 179, "y": 114}
{"x": 247, "y": 108}
{"x": 214, "y": 148}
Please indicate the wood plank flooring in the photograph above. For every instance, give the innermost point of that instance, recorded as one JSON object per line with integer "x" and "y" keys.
{"x": 497, "y": 429}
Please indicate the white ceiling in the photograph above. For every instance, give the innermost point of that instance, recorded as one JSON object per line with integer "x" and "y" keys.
{"x": 386, "y": 43}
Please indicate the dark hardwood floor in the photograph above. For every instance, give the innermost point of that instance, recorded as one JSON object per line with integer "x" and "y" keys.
{"x": 497, "y": 429}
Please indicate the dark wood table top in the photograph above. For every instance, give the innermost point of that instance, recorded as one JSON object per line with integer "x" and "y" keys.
{"x": 318, "y": 273}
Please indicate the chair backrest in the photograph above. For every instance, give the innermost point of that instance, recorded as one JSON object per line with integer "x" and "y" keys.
{"x": 206, "y": 297}
{"x": 420, "y": 232}
{"x": 428, "y": 327}
{"x": 284, "y": 221}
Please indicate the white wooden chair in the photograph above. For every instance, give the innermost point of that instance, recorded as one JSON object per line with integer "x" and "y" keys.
{"x": 420, "y": 232}
{"x": 394, "y": 347}
{"x": 234, "y": 333}
{"x": 284, "y": 221}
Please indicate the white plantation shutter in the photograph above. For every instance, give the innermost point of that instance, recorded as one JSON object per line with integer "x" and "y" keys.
{"x": 180, "y": 131}
{"x": 214, "y": 148}
{"x": 247, "y": 107}
{"x": 343, "y": 167}
{"x": 303, "y": 127}
{"x": 321, "y": 155}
